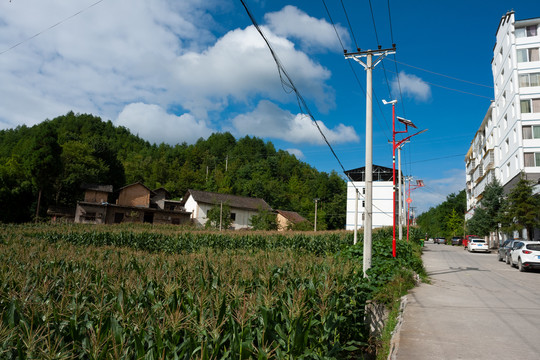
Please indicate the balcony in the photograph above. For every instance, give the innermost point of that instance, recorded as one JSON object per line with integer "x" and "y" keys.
{"x": 488, "y": 161}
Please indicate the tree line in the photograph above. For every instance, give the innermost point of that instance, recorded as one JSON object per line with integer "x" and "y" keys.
{"x": 46, "y": 164}
{"x": 499, "y": 212}
{"x": 496, "y": 212}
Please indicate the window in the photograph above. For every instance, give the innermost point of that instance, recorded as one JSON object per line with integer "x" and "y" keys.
{"x": 506, "y": 145}
{"x": 526, "y": 31}
{"x": 528, "y": 55}
{"x": 233, "y": 216}
{"x": 531, "y": 132}
{"x": 90, "y": 216}
{"x": 505, "y": 121}
{"x": 530, "y": 105}
{"x": 526, "y": 80}
{"x": 531, "y": 159}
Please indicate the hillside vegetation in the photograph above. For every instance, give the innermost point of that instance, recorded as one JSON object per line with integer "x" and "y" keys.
{"x": 50, "y": 161}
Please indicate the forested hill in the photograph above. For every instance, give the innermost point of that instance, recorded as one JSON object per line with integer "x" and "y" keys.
{"x": 446, "y": 219}
{"x": 57, "y": 156}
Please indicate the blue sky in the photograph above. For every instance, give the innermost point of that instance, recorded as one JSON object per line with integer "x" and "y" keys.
{"x": 176, "y": 71}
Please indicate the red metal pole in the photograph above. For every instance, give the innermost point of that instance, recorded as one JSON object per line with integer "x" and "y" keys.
{"x": 408, "y": 206}
{"x": 394, "y": 180}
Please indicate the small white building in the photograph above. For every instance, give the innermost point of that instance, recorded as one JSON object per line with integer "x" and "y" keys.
{"x": 382, "y": 197}
{"x": 242, "y": 207}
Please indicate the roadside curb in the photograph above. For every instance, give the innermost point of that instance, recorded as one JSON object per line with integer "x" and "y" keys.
{"x": 394, "y": 341}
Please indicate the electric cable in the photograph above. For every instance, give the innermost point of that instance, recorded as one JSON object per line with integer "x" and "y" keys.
{"x": 50, "y": 27}
{"x": 356, "y": 76}
{"x": 301, "y": 102}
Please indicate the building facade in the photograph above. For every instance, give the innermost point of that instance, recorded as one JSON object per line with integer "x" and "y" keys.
{"x": 136, "y": 203}
{"x": 507, "y": 143}
{"x": 382, "y": 197}
{"x": 242, "y": 208}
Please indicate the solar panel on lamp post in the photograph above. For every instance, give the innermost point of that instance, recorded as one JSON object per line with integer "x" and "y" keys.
{"x": 396, "y": 145}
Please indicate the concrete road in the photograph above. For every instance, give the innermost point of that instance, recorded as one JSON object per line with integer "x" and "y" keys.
{"x": 475, "y": 308}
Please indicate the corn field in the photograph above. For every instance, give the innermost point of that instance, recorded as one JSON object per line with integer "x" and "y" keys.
{"x": 82, "y": 294}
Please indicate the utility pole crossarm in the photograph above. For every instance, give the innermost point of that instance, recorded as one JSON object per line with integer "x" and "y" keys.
{"x": 381, "y": 53}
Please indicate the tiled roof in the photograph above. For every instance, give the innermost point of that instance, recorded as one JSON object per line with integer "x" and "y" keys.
{"x": 97, "y": 187}
{"x": 292, "y": 216}
{"x": 234, "y": 201}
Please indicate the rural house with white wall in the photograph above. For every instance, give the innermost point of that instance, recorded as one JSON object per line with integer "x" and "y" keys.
{"x": 242, "y": 207}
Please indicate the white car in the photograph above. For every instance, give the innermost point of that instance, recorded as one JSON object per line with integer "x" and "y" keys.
{"x": 526, "y": 255}
{"x": 476, "y": 244}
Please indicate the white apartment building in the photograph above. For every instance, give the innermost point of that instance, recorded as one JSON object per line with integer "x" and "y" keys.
{"x": 508, "y": 139}
{"x": 382, "y": 197}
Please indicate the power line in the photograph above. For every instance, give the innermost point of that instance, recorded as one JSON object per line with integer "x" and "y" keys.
{"x": 452, "y": 89}
{"x": 301, "y": 102}
{"x": 447, "y": 76}
{"x": 439, "y": 158}
{"x": 348, "y": 22}
{"x": 51, "y": 27}
{"x": 354, "y": 72}
{"x": 289, "y": 83}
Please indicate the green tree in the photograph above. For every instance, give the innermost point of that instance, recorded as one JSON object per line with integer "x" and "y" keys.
{"x": 522, "y": 208}
{"x": 479, "y": 223}
{"x": 264, "y": 220}
{"x": 44, "y": 163}
{"x": 219, "y": 216}
{"x": 78, "y": 166}
{"x": 487, "y": 215}
{"x": 434, "y": 222}
{"x": 454, "y": 224}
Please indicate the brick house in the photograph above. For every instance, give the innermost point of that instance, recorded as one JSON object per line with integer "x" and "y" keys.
{"x": 136, "y": 203}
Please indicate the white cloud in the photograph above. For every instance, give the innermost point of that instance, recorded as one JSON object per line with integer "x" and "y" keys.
{"x": 313, "y": 33}
{"x": 239, "y": 66}
{"x": 437, "y": 189}
{"x": 411, "y": 86}
{"x": 296, "y": 152}
{"x": 160, "y": 52}
{"x": 269, "y": 120}
{"x": 154, "y": 124}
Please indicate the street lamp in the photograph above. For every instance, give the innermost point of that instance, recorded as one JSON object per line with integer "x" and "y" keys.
{"x": 395, "y": 145}
{"x": 419, "y": 184}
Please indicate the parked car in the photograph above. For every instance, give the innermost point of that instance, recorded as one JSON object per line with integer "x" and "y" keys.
{"x": 526, "y": 255}
{"x": 466, "y": 240}
{"x": 477, "y": 244}
{"x": 456, "y": 240}
{"x": 440, "y": 240}
{"x": 504, "y": 250}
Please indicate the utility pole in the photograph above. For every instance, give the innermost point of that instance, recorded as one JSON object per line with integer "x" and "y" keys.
{"x": 315, "y": 226}
{"x": 355, "y": 217}
{"x": 368, "y": 175}
{"x": 400, "y": 206}
{"x": 220, "y": 215}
